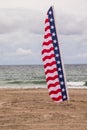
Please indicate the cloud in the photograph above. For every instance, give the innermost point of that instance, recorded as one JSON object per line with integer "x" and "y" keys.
{"x": 84, "y": 55}
{"x": 12, "y": 20}
{"x": 76, "y": 59}
{"x": 21, "y": 51}
{"x": 21, "y": 35}
{"x": 77, "y": 56}
{"x": 71, "y": 25}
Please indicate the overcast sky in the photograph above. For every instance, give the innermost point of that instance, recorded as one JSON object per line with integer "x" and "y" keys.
{"x": 22, "y": 30}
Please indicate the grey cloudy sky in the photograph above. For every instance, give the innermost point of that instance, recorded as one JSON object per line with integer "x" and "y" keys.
{"x": 22, "y": 30}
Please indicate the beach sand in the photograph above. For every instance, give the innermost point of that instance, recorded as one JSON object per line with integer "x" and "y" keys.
{"x": 32, "y": 109}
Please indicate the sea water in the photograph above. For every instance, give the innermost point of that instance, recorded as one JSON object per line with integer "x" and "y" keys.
{"x": 32, "y": 76}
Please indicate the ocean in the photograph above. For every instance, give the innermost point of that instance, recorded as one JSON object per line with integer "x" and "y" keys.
{"x": 32, "y": 76}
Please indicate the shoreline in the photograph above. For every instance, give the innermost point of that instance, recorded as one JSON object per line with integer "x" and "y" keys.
{"x": 76, "y": 85}
{"x": 33, "y": 109}
{"x": 38, "y": 87}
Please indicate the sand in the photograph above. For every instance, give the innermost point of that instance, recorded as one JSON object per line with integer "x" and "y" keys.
{"x": 32, "y": 109}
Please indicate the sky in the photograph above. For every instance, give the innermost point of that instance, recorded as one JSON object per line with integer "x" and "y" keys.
{"x": 22, "y": 30}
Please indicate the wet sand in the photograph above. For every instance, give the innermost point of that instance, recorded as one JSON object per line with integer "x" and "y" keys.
{"x": 32, "y": 109}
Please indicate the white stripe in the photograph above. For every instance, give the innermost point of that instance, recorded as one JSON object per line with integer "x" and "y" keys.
{"x": 47, "y": 24}
{"x": 47, "y": 46}
{"x": 52, "y": 81}
{"x": 47, "y": 53}
{"x": 48, "y": 39}
{"x": 56, "y": 95}
{"x": 46, "y": 32}
{"x": 54, "y": 88}
{"x": 49, "y": 61}
{"x": 50, "y": 67}
{"x": 51, "y": 74}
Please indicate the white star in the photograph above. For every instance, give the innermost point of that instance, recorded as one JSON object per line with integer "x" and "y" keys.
{"x": 51, "y": 20}
{"x": 56, "y": 48}
{"x": 50, "y": 12}
{"x": 57, "y": 55}
{"x": 59, "y": 69}
{"x": 62, "y": 83}
{"x": 53, "y": 34}
{"x": 63, "y": 90}
{"x": 54, "y": 41}
{"x": 52, "y": 27}
{"x": 58, "y": 62}
{"x": 64, "y": 97}
{"x": 60, "y": 76}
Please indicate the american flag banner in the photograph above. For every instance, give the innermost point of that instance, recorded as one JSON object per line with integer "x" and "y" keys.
{"x": 52, "y": 61}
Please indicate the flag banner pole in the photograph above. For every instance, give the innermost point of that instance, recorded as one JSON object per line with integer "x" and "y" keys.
{"x": 51, "y": 57}
{"x": 51, "y": 3}
{"x": 62, "y": 64}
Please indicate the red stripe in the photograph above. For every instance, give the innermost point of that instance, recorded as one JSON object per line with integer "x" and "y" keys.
{"x": 47, "y": 50}
{"x": 57, "y": 99}
{"x": 47, "y": 43}
{"x": 48, "y": 57}
{"x": 46, "y": 21}
{"x": 48, "y": 35}
{"x": 50, "y": 64}
{"x": 53, "y": 85}
{"x": 46, "y": 28}
{"x": 51, "y": 71}
{"x": 52, "y": 78}
{"x": 55, "y": 92}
